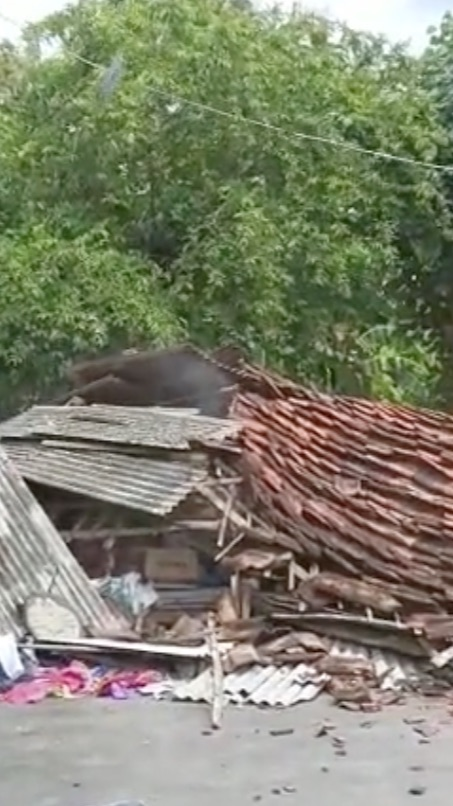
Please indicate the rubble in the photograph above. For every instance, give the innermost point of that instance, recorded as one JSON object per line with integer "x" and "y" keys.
{"x": 362, "y": 490}
{"x": 275, "y": 541}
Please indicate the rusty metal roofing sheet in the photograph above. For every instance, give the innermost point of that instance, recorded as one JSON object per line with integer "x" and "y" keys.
{"x": 144, "y": 427}
{"x": 34, "y": 560}
{"x": 135, "y": 482}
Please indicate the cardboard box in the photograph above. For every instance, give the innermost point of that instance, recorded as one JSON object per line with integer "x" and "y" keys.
{"x": 166, "y": 566}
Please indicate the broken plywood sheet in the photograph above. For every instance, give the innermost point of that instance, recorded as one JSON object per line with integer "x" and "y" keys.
{"x": 35, "y": 561}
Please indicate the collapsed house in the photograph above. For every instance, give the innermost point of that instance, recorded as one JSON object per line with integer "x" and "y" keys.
{"x": 124, "y": 488}
{"x": 301, "y": 522}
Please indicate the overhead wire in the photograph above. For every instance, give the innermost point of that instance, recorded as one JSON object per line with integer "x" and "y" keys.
{"x": 294, "y": 137}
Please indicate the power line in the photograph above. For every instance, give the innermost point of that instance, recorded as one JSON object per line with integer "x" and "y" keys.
{"x": 293, "y": 137}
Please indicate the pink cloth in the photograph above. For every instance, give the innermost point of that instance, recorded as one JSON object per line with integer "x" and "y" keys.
{"x": 76, "y": 680}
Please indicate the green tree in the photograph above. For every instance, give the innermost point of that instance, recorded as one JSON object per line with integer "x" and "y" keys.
{"x": 436, "y": 286}
{"x": 174, "y": 130}
{"x": 64, "y": 297}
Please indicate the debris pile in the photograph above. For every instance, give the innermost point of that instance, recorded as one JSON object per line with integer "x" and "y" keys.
{"x": 362, "y": 488}
{"x": 288, "y": 542}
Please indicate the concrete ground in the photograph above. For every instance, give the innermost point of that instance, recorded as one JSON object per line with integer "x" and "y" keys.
{"x": 96, "y": 753}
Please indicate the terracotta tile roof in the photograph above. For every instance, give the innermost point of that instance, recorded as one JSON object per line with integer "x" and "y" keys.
{"x": 365, "y": 489}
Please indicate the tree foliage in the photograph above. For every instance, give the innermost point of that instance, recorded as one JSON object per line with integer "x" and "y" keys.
{"x": 155, "y": 184}
{"x": 438, "y": 286}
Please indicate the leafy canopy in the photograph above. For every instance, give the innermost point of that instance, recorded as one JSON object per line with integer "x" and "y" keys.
{"x": 140, "y": 201}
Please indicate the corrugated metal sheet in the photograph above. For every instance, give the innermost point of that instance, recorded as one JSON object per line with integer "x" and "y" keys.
{"x": 281, "y": 686}
{"x": 259, "y": 685}
{"x": 35, "y": 561}
{"x": 287, "y": 685}
{"x": 145, "y": 427}
{"x": 134, "y": 482}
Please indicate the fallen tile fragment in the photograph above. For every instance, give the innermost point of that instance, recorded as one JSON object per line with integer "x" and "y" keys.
{"x": 425, "y": 731}
{"x": 414, "y": 720}
{"x": 338, "y": 743}
{"x": 282, "y": 732}
{"x": 417, "y": 790}
{"x": 324, "y": 729}
{"x": 349, "y": 690}
{"x": 349, "y": 706}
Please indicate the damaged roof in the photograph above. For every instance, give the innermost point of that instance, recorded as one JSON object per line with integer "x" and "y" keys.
{"x": 109, "y": 452}
{"x": 359, "y": 488}
{"x": 363, "y": 488}
{"x": 168, "y": 429}
{"x": 134, "y": 482}
{"x": 34, "y": 560}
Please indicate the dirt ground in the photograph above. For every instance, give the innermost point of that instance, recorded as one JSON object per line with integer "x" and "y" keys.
{"x": 97, "y": 753}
